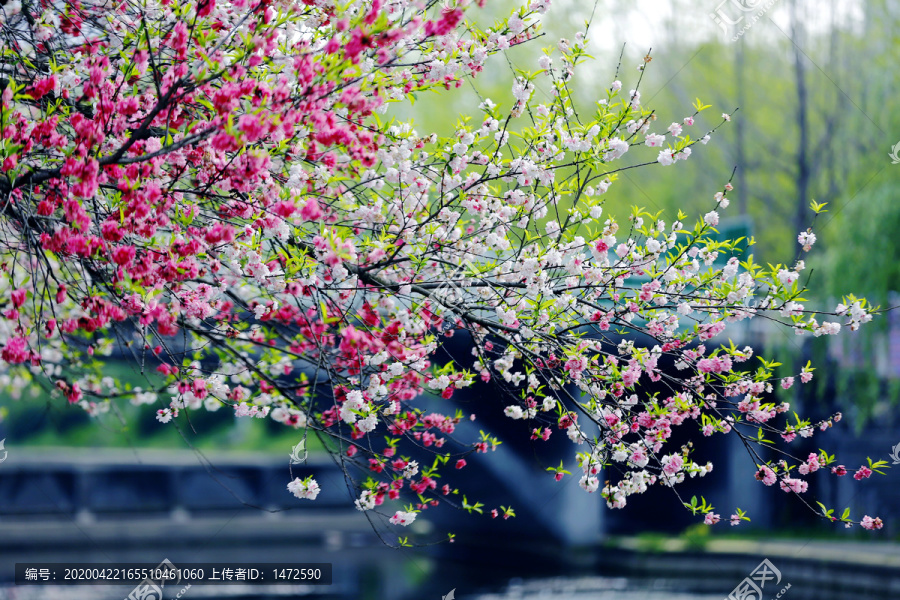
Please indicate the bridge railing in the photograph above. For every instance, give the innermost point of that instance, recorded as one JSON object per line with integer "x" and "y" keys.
{"x": 118, "y": 482}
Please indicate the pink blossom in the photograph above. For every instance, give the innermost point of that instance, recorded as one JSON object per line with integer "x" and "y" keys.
{"x": 18, "y": 297}
{"x": 311, "y": 210}
{"x": 798, "y": 486}
{"x": 42, "y": 87}
{"x": 868, "y": 522}
{"x": 766, "y": 475}
{"x": 862, "y": 473}
{"x": 123, "y": 255}
{"x": 16, "y": 351}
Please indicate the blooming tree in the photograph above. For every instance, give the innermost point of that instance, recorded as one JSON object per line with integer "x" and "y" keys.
{"x": 208, "y": 188}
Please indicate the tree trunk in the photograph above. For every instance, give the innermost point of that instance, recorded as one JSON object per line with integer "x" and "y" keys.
{"x": 803, "y": 168}
{"x": 740, "y": 129}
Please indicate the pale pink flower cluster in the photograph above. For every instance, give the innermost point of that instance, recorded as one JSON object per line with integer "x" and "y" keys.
{"x": 306, "y": 489}
{"x": 403, "y": 518}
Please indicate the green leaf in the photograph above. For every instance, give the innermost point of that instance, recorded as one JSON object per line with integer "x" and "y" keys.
{"x": 818, "y": 207}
